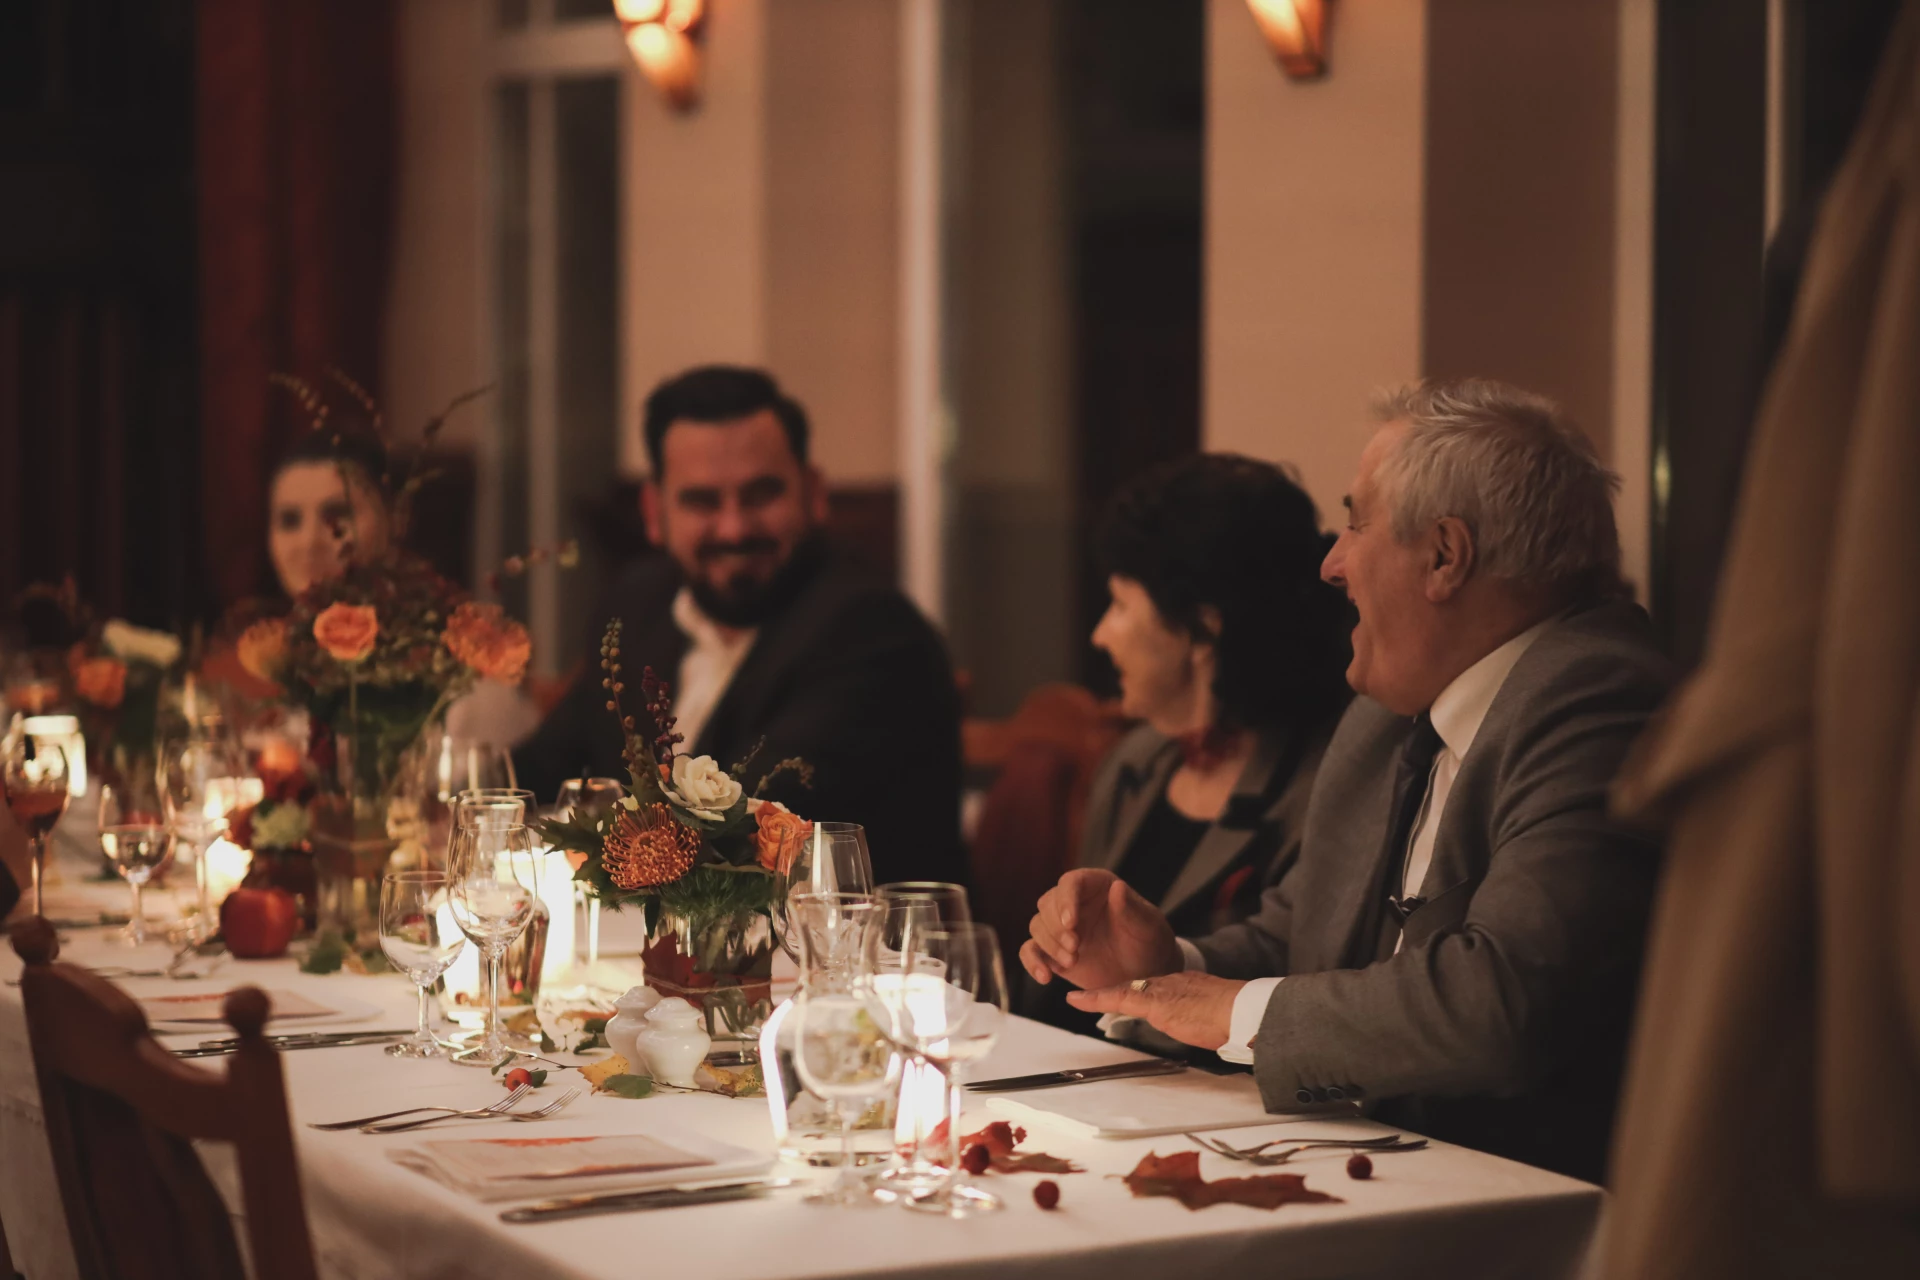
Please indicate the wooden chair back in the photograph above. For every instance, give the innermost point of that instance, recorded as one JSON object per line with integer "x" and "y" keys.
{"x": 122, "y": 1114}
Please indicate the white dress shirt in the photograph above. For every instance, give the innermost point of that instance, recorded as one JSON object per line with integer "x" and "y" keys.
{"x": 713, "y": 656}
{"x": 1456, "y": 714}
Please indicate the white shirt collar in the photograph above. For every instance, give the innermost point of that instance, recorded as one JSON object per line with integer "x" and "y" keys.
{"x": 1463, "y": 704}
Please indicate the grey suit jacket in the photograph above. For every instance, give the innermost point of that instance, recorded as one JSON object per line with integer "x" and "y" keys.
{"x": 1502, "y": 1021}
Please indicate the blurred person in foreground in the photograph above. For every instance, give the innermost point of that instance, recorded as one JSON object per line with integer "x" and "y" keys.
{"x": 1231, "y": 652}
{"x": 1460, "y": 940}
{"x": 771, "y": 638}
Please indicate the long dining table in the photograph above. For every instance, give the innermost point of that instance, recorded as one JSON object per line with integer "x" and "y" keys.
{"x": 1437, "y": 1212}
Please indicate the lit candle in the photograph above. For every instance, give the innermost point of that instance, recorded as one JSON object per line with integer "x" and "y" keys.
{"x": 62, "y": 732}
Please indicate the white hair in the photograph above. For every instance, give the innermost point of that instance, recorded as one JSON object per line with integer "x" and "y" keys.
{"x": 1508, "y": 464}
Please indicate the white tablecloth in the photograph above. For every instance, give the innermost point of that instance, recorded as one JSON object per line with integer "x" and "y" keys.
{"x": 1440, "y": 1212}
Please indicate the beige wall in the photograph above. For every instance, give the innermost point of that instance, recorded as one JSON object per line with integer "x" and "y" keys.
{"x": 1313, "y": 237}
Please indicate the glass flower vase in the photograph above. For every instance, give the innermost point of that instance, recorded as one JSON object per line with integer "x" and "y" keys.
{"x": 722, "y": 966}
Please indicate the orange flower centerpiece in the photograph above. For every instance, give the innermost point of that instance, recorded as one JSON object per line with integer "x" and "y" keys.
{"x": 703, "y": 859}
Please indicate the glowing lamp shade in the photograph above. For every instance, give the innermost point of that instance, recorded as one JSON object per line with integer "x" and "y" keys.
{"x": 1296, "y": 30}
{"x": 663, "y": 37}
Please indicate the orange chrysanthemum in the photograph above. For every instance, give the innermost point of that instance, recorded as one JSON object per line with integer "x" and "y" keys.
{"x": 648, "y": 847}
{"x": 485, "y": 639}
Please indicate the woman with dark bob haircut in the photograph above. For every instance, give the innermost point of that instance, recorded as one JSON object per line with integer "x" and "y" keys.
{"x": 1232, "y": 654}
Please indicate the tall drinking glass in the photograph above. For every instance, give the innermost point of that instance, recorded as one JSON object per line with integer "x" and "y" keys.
{"x": 943, "y": 994}
{"x": 34, "y": 773}
{"x": 135, "y": 837}
{"x": 586, "y": 800}
{"x": 200, "y": 776}
{"x": 492, "y": 894}
{"x": 842, "y": 1056}
{"x": 416, "y": 936}
{"x": 926, "y": 1097}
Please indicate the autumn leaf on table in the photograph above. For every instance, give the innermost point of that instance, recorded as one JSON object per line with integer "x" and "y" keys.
{"x": 1178, "y": 1176}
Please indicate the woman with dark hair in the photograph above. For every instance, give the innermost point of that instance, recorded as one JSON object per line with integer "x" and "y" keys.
{"x": 1232, "y": 654}
{"x": 328, "y": 504}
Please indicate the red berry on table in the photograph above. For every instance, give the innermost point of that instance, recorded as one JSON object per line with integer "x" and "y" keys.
{"x": 976, "y": 1159}
{"x": 517, "y": 1077}
{"x": 1046, "y": 1194}
{"x": 1358, "y": 1166}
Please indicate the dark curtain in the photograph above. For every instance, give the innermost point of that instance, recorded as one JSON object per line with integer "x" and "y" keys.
{"x": 295, "y": 131}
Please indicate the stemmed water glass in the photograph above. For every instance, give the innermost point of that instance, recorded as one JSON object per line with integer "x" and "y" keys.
{"x": 842, "y": 1056}
{"x": 415, "y": 937}
{"x": 941, "y": 992}
{"x": 34, "y": 773}
{"x": 136, "y": 839}
{"x": 200, "y": 779}
{"x": 920, "y": 905}
{"x": 831, "y": 858}
{"x": 492, "y": 893}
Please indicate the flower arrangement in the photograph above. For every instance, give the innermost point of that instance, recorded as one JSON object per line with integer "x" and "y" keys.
{"x": 119, "y": 675}
{"x": 687, "y": 840}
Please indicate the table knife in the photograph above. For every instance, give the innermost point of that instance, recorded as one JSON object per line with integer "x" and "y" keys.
{"x": 308, "y": 1037}
{"x": 1053, "y": 1079}
{"x": 630, "y": 1201}
{"x": 214, "y": 1050}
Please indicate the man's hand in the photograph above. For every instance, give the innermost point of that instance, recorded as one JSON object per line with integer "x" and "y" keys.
{"x": 1193, "y": 1008}
{"x": 1094, "y": 931}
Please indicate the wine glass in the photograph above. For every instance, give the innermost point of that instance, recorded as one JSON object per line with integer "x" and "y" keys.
{"x": 34, "y": 773}
{"x": 462, "y": 765}
{"x": 136, "y": 838}
{"x": 830, "y": 930}
{"x": 908, "y": 906}
{"x": 832, "y": 858}
{"x": 943, "y": 994}
{"x": 842, "y": 1056}
{"x": 201, "y": 779}
{"x": 415, "y": 937}
{"x": 492, "y": 892}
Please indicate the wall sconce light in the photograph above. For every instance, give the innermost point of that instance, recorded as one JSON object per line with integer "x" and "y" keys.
{"x": 663, "y": 37}
{"x": 1297, "y": 32}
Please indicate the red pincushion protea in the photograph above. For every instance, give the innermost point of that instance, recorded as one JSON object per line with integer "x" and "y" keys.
{"x": 648, "y": 847}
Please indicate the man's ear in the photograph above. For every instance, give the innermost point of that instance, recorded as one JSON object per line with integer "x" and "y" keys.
{"x": 814, "y": 492}
{"x": 1450, "y": 558}
{"x": 650, "y": 509}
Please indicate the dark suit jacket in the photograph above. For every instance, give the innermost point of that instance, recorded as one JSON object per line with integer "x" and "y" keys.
{"x": 849, "y": 677}
{"x": 1242, "y": 855}
{"x": 1502, "y": 1021}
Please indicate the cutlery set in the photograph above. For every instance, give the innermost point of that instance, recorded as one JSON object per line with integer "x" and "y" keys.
{"x": 1291, "y": 1147}
{"x": 297, "y": 1040}
{"x": 390, "y": 1122}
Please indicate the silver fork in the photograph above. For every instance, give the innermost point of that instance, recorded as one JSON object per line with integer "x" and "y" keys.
{"x": 1389, "y": 1142}
{"x": 540, "y": 1113}
{"x": 512, "y": 1097}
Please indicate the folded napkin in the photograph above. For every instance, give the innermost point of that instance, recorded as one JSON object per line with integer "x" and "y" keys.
{"x": 493, "y": 1169}
{"x": 206, "y": 1007}
{"x": 1142, "y": 1107}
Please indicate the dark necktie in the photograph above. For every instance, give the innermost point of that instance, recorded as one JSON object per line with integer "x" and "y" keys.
{"x": 1409, "y": 791}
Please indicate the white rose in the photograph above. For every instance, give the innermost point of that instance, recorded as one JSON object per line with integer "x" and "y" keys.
{"x": 137, "y": 644}
{"x": 703, "y": 788}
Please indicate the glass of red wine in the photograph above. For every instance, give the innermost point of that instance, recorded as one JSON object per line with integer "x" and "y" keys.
{"x": 34, "y": 773}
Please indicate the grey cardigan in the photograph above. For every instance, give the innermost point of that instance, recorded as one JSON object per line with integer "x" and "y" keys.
{"x": 1502, "y": 1020}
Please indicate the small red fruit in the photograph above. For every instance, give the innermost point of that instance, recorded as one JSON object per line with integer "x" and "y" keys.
{"x": 1358, "y": 1166}
{"x": 976, "y": 1159}
{"x": 517, "y": 1077}
{"x": 1046, "y": 1194}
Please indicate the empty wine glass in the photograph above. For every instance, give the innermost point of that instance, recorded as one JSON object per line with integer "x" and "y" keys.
{"x": 492, "y": 894}
{"x": 135, "y": 837}
{"x": 842, "y": 1056}
{"x": 831, "y": 858}
{"x": 34, "y": 773}
{"x": 910, "y": 906}
{"x": 941, "y": 992}
{"x": 416, "y": 938}
{"x": 201, "y": 778}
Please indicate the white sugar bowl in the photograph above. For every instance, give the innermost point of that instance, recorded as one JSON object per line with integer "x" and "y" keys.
{"x": 629, "y": 1020}
{"x": 674, "y": 1043}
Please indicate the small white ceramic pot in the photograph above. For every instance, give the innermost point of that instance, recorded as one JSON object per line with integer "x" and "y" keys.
{"x": 674, "y": 1043}
{"x": 628, "y": 1021}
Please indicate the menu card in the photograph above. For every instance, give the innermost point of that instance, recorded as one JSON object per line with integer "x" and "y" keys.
{"x": 493, "y": 1169}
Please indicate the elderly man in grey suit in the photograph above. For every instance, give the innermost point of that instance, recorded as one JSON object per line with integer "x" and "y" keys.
{"x": 1460, "y": 940}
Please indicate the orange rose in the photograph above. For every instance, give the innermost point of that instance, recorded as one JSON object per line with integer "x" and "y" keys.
{"x": 483, "y": 637}
{"x": 101, "y": 681}
{"x": 262, "y": 648}
{"x": 347, "y": 631}
{"x": 780, "y": 836}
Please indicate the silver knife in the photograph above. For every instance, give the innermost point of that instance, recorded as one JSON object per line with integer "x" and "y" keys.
{"x": 630, "y": 1201}
{"x": 308, "y": 1037}
{"x": 1053, "y": 1079}
{"x": 378, "y": 1037}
